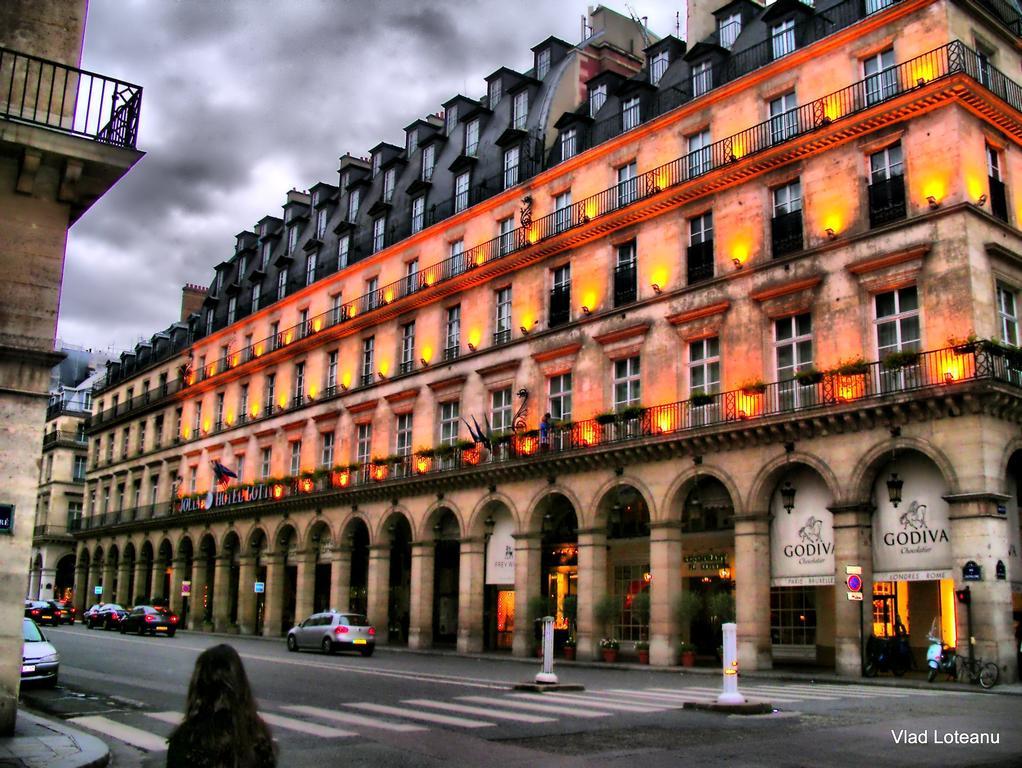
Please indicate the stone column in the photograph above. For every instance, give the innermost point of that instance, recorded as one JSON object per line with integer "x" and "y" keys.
{"x": 138, "y": 587}
{"x": 246, "y": 594}
{"x": 664, "y": 587}
{"x": 48, "y": 576}
{"x": 592, "y": 588}
{"x": 200, "y": 578}
{"x": 853, "y": 546}
{"x": 180, "y": 573}
{"x": 378, "y": 590}
{"x": 273, "y": 609}
{"x": 90, "y": 587}
{"x": 124, "y": 596}
{"x": 471, "y": 583}
{"x": 340, "y": 580}
{"x": 528, "y": 561}
{"x": 109, "y": 593}
{"x": 980, "y": 534}
{"x": 35, "y": 578}
{"x": 156, "y": 579}
{"x": 81, "y": 586}
{"x": 420, "y": 624}
{"x": 222, "y": 594}
{"x": 752, "y": 586}
{"x": 306, "y": 592}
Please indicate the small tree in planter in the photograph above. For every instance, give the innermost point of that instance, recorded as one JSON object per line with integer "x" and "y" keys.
{"x": 604, "y": 612}
{"x": 610, "y": 647}
{"x": 721, "y": 609}
{"x": 640, "y": 610}
{"x": 687, "y": 607}
{"x": 642, "y": 649}
{"x": 688, "y": 654}
{"x": 570, "y": 608}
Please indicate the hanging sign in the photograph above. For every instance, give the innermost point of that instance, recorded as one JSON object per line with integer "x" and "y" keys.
{"x": 500, "y": 552}
{"x": 802, "y": 540}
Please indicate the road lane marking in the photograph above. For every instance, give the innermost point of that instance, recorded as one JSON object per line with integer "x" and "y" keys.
{"x": 599, "y": 703}
{"x": 748, "y": 691}
{"x": 350, "y": 718}
{"x": 288, "y": 723}
{"x": 136, "y": 737}
{"x": 411, "y": 714}
{"x": 550, "y": 709}
{"x": 481, "y": 711}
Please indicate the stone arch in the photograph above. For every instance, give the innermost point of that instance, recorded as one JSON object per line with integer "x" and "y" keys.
{"x": 285, "y": 537}
{"x": 1013, "y": 447}
{"x": 355, "y": 520}
{"x": 434, "y": 516}
{"x": 231, "y": 544}
{"x": 533, "y": 522}
{"x": 389, "y": 518}
{"x": 863, "y": 475}
{"x": 477, "y": 519}
{"x": 318, "y": 533}
{"x": 674, "y": 498}
{"x": 165, "y": 551}
{"x": 97, "y": 556}
{"x": 256, "y": 540}
{"x": 603, "y": 499}
{"x": 765, "y": 482}
{"x": 129, "y": 553}
{"x": 207, "y": 544}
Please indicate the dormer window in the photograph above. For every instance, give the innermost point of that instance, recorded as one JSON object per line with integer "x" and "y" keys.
{"x": 450, "y": 119}
{"x": 472, "y": 138}
{"x": 412, "y": 142}
{"x": 216, "y": 283}
{"x": 630, "y": 114}
{"x": 389, "y": 179}
{"x": 242, "y": 266}
{"x": 542, "y": 63}
{"x": 658, "y": 66}
{"x": 209, "y": 321}
{"x": 292, "y": 238}
{"x": 257, "y": 289}
{"x": 353, "y": 203}
{"x": 702, "y": 78}
{"x": 342, "y": 251}
{"x": 728, "y": 30}
{"x": 310, "y": 269}
{"x": 267, "y": 248}
{"x": 418, "y": 209}
{"x": 232, "y": 309}
{"x": 461, "y": 192}
{"x": 511, "y": 156}
{"x": 521, "y": 110}
{"x": 321, "y": 216}
{"x": 783, "y": 38}
{"x": 345, "y": 180}
{"x": 281, "y": 284}
{"x": 494, "y": 94}
{"x": 376, "y": 164}
{"x": 378, "y": 230}
{"x": 569, "y": 143}
{"x": 428, "y": 161}
{"x": 597, "y": 98}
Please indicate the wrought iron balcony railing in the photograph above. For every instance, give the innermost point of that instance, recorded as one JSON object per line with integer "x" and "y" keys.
{"x": 67, "y": 99}
{"x": 699, "y": 258}
{"x": 786, "y": 233}
{"x": 858, "y": 383}
{"x": 74, "y": 439}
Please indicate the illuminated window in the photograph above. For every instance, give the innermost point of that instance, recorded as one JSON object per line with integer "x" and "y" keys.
{"x": 783, "y": 38}
{"x": 626, "y": 382}
{"x": 630, "y": 113}
{"x": 729, "y": 28}
{"x": 783, "y": 117}
{"x": 1007, "y": 313}
{"x": 501, "y": 410}
{"x": 629, "y": 581}
{"x": 793, "y": 617}
{"x": 559, "y": 389}
{"x": 704, "y": 366}
{"x": 658, "y": 66}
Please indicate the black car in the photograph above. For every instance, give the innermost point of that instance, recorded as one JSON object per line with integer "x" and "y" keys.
{"x": 65, "y": 611}
{"x": 145, "y": 618}
{"x": 107, "y": 617}
{"x": 41, "y": 612}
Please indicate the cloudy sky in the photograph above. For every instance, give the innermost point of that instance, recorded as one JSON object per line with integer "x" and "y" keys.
{"x": 245, "y": 99}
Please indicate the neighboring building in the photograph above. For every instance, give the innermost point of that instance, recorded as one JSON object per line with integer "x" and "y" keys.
{"x": 59, "y": 502}
{"x": 822, "y": 199}
{"x": 66, "y": 137}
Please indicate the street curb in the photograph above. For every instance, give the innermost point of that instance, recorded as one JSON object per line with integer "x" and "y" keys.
{"x": 94, "y": 753}
{"x": 781, "y": 675}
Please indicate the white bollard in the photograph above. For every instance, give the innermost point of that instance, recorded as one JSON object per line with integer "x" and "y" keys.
{"x": 546, "y": 676}
{"x": 730, "y": 694}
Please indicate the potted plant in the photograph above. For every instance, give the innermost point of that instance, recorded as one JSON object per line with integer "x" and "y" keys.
{"x": 757, "y": 387}
{"x": 963, "y": 346}
{"x": 897, "y": 360}
{"x": 631, "y": 412}
{"x": 609, "y": 647}
{"x": 642, "y": 649}
{"x": 687, "y": 606}
{"x": 852, "y": 367}
{"x": 605, "y": 611}
{"x": 808, "y": 376}
{"x": 640, "y": 610}
{"x": 603, "y": 419}
{"x": 699, "y": 398}
{"x": 688, "y": 654}
{"x": 569, "y": 607}
{"x": 569, "y": 648}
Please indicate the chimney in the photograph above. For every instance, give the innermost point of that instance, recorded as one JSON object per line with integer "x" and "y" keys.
{"x": 192, "y": 297}
{"x": 700, "y": 23}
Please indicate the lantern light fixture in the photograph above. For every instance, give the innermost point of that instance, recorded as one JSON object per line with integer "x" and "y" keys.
{"x": 788, "y": 496}
{"x": 894, "y": 486}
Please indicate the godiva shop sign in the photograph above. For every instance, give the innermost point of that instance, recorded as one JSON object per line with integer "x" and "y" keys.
{"x": 802, "y": 538}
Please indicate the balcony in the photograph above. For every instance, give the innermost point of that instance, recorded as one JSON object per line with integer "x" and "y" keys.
{"x": 55, "y": 410}
{"x": 849, "y": 389}
{"x": 786, "y": 233}
{"x": 625, "y": 288}
{"x": 502, "y": 336}
{"x": 69, "y": 100}
{"x": 700, "y": 261}
{"x": 66, "y": 439}
{"x": 887, "y": 201}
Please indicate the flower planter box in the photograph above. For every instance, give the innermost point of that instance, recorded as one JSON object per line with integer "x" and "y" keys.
{"x": 610, "y": 655}
{"x": 569, "y": 653}
{"x": 644, "y": 657}
{"x": 688, "y": 658}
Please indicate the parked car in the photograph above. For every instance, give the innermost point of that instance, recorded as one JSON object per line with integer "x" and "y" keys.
{"x": 88, "y": 612}
{"x": 331, "y": 631}
{"x": 146, "y": 618}
{"x": 40, "y": 661}
{"x": 41, "y": 612}
{"x": 107, "y": 617}
{"x": 65, "y": 611}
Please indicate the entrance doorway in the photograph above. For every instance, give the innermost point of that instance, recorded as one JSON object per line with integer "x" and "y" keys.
{"x": 446, "y": 562}
{"x": 559, "y": 563}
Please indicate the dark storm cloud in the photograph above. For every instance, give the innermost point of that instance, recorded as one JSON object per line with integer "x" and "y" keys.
{"x": 245, "y": 99}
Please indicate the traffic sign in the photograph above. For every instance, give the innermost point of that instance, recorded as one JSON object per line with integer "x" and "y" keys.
{"x": 854, "y": 596}
{"x": 854, "y": 582}
{"x": 260, "y": 587}
{"x": 856, "y": 569}
{"x": 186, "y": 588}
{"x": 98, "y": 589}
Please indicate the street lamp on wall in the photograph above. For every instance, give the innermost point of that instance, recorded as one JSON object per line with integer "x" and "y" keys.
{"x": 788, "y": 496}
{"x": 894, "y": 485}
{"x": 488, "y": 525}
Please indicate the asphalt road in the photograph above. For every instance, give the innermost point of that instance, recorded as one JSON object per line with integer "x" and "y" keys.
{"x": 403, "y": 709}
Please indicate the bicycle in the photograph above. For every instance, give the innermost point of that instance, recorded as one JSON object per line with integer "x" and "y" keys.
{"x": 978, "y": 671}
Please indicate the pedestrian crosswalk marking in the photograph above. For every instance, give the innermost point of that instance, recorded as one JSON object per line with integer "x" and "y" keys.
{"x": 312, "y": 729}
{"x": 351, "y": 718}
{"x": 429, "y": 717}
{"x": 136, "y": 737}
{"x": 481, "y": 711}
{"x": 681, "y": 696}
{"x": 599, "y": 702}
{"x": 550, "y": 709}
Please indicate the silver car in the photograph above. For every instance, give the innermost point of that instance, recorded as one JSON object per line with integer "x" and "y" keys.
{"x": 40, "y": 661}
{"x": 331, "y": 631}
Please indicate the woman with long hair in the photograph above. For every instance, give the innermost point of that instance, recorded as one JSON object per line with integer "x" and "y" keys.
{"x": 222, "y": 728}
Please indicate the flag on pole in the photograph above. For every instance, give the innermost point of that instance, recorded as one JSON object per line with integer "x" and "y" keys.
{"x": 223, "y": 475}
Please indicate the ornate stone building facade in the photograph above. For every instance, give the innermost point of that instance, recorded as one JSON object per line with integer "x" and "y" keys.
{"x": 650, "y": 330}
